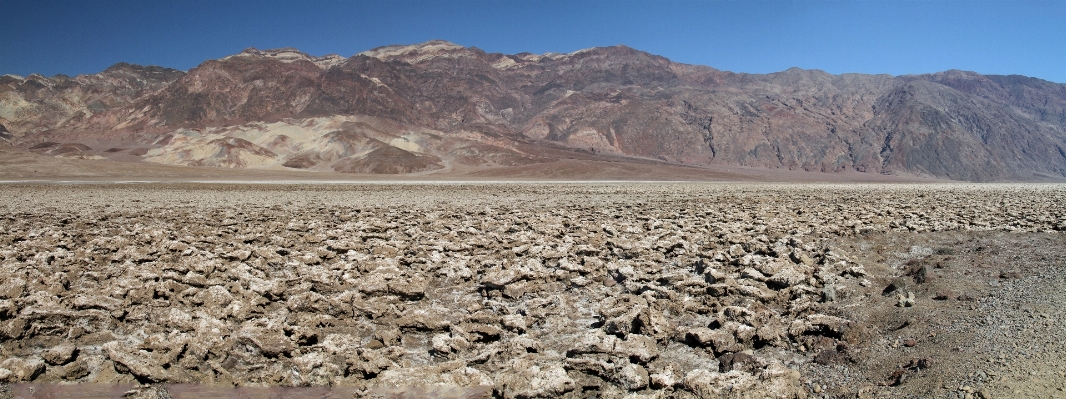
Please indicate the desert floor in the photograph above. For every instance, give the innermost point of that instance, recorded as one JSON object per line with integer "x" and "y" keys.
{"x": 526, "y": 289}
{"x": 18, "y": 165}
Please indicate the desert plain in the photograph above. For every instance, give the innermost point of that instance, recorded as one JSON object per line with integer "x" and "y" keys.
{"x": 532, "y": 289}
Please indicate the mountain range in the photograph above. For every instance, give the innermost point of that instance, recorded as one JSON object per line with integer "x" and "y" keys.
{"x": 438, "y": 107}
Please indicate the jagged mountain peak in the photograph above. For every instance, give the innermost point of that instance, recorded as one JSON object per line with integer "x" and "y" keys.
{"x": 416, "y": 53}
{"x": 958, "y": 73}
{"x": 463, "y": 106}
{"x": 143, "y": 71}
{"x": 617, "y": 53}
{"x": 121, "y": 66}
{"x": 329, "y": 60}
{"x": 289, "y": 55}
{"x": 619, "y": 50}
{"x": 285, "y": 53}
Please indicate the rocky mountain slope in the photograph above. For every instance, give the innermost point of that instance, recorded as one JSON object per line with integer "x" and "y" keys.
{"x": 438, "y": 106}
{"x": 36, "y": 104}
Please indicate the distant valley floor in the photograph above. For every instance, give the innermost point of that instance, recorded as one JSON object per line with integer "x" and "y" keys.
{"x": 20, "y": 165}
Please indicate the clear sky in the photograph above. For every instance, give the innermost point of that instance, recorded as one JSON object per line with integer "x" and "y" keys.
{"x": 895, "y": 37}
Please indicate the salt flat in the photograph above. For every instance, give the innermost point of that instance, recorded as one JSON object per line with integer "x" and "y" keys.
{"x": 536, "y": 289}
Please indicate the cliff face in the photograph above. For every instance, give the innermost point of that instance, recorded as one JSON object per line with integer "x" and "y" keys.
{"x": 429, "y": 106}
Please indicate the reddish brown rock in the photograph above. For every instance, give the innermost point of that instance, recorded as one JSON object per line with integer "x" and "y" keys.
{"x": 418, "y": 108}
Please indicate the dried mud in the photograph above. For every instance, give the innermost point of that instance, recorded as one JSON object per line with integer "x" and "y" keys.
{"x": 527, "y": 290}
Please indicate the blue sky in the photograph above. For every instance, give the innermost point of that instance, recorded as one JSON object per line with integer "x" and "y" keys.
{"x": 895, "y": 37}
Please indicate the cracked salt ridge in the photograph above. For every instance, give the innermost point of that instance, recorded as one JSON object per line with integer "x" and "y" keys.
{"x": 706, "y": 382}
{"x": 180, "y": 391}
{"x": 350, "y": 182}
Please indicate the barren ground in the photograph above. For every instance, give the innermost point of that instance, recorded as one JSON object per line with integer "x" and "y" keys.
{"x": 21, "y": 165}
{"x": 532, "y": 290}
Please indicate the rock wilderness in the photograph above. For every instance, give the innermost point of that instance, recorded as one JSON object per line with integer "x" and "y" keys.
{"x": 438, "y": 107}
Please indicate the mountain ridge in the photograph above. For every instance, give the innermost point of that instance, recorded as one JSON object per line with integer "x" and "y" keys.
{"x": 462, "y": 107}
